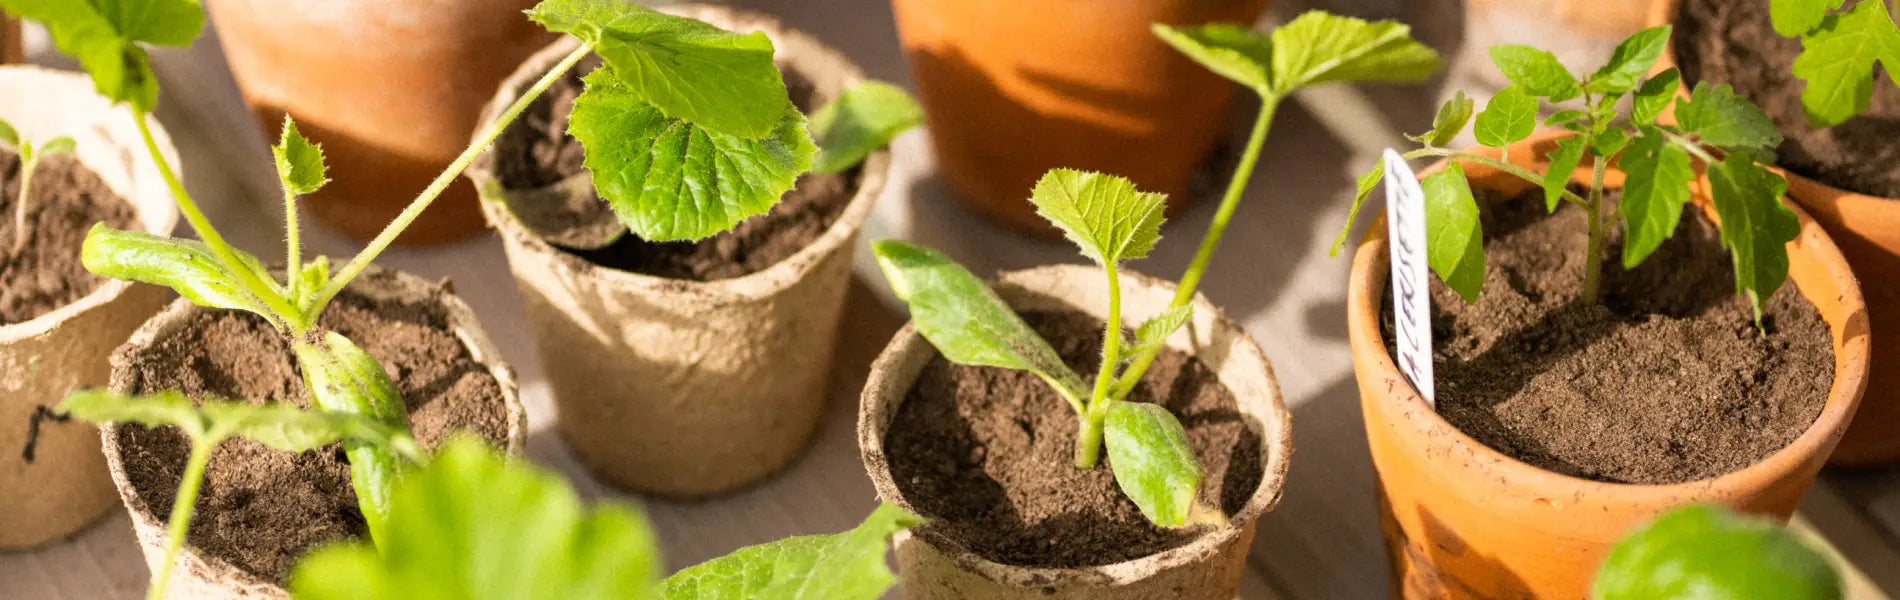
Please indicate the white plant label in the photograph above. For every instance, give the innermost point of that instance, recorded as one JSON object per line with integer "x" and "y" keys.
{"x": 1411, "y": 273}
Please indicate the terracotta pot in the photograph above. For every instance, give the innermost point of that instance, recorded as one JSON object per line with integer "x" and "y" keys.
{"x": 1464, "y": 521}
{"x": 204, "y": 576}
{"x": 1867, "y": 229}
{"x": 1015, "y": 88}
{"x": 66, "y": 486}
{"x": 391, "y": 88}
{"x": 688, "y": 388}
{"x": 1209, "y": 568}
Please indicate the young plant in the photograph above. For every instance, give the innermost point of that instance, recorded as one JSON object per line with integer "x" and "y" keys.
{"x": 1838, "y": 52}
{"x": 1723, "y": 132}
{"x": 30, "y": 157}
{"x": 1111, "y": 222}
{"x": 1705, "y": 552}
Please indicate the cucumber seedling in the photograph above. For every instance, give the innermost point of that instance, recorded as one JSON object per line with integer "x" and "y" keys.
{"x": 1111, "y": 221}
{"x": 30, "y": 157}
{"x": 1724, "y": 133}
{"x": 1838, "y": 52}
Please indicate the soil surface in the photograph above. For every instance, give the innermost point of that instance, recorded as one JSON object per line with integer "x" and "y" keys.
{"x": 261, "y": 509}
{"x": 68, "y": 199}
{"x": 988, "y": 455}
{"x": 536, "y": 151}
{"x": 1665, "y": 381}
{"x": 1725, "y": 41}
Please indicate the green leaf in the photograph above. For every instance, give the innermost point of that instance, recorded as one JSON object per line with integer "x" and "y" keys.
{"x": 1231, "y": 51}
{"x": 1318, "y": 47}
{"x": 341, "y": 377}
{"x": 965, "y": 320}
{"x": 1563, "y": 163}
{"x": 1756, "y": 228}
{"x": 478, "y": 526}
{"x": 1104, "y": 214}
{"x": 670, "y": 179}
{"x": 1721, "y": 119}
{"x": 104, "y": 36}
{"x": 1154, "y": 465}
{"x": 299, "y": 162}
{"x": 281, "y": 426}
{"x": 1708, "y": 553}
{"x": 1568, "y": 115}
{"x": 1449, "y": 122}
{"x": 1629, "y": 61}
{"x": 1792, "y": 18}
{"x": 315, "y": 275}
{"x": 186, "y": 266}
{"x": 1536, "y": 72}
{"x": 1155, "y": 331}
{"x": 155, "y": 410}
{"x": 1654, "y": 96}
{"x": 56, "y": 146}
{"x": 1454, "y": 242}
{"x": 714, "y": 79}
{"x": 1654, "y": 192}
{"x": 1366, "y": 182}
{"x": 1837, "y": 60}
{"x": 1511, "y": 115}
{"x": 8, "y": 135}
{"x": 1608, "y": 143}
{"x": 843, "y": 566}
{"x": 864, "y": 118}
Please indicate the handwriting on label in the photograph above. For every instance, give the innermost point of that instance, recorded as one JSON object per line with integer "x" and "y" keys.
{"x": 1411, "y": 289}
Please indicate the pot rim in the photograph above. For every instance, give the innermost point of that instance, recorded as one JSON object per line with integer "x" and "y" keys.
{"x": 805, "y": 54}
{"x": 383, "y": 282}
{"x": 1269, "y": 413}
{"x": 1367, "y": 284}
{"x": 67, "y": 88}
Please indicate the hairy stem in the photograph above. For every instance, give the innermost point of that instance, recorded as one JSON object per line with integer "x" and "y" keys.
{"x": 442, "y": 181}
{"x": 1593, "y": 255}
{"x": 1088, "y": 443}
{"x": 293, "y": 251}
{"x": 181, "y": 514}
{"x": 1090, "y": 437}
{"x": 20, "y": 232}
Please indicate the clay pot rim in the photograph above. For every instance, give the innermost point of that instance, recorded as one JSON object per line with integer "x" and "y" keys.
{"x": 1850, "y": 370}
{"x": 382, "y": 282}
{"x": 1270, "y": 413}
{"x": 803, "y": 53}
{"x": 51, "y": 85}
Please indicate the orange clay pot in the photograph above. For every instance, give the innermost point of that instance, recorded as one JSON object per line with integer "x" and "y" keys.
{"x": 1464, "y": 521}
{"x": 1015, "y": 88}
{"x": 1867, "y": 229}
{"x": 391, "y": 88}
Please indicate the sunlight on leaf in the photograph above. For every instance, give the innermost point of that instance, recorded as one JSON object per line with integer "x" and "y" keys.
{"x": 865, "y": 118}
{"x": 1154, "y": 465}
{"x": 1103, "y": 214}
{"x": 843, "y": 566}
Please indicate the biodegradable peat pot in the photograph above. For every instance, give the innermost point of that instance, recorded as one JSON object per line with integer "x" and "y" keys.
{"x": 1865, "y": 225}
{"x": 683, "y": 387}
{"x": 452, "y": 377}
{"x": 41, "y": 358}
{"x": 1207, "y": 568}
{"x": 1017, "y": 87}
{"x": 391, "y": 88}
{"x": 1462, "y": 520}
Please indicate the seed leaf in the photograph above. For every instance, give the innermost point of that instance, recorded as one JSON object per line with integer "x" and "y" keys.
{"x": 299, "y": 162}
{"x": 670, "y": 179}
{"x": 1721, "y": 119}
{"x": 1837, "y": 60}
{"x": 9, "y": 135}
{"x": 864, "y": 118}
{"x": 1629, "y": 61}
{"x": 1153, "y": 463}
{"x": 1449, "y": 122}
{"x": 1364, "y": 187}
{"x": 1104, "y": 214}
{"x": 1454, "y": 243}
{"x": 1317, "y": 47}
{"x": 343, "y": 378}
{"x": 186, "y": 266}
{"x": 1672, "y": 558}
{"x": 56, "y": 146}
{"x": 1654, "y": 192}
{"x": 282, "y": 426}
{"x": 1654, "y": 96}
{"x": 1792, "y": 18}
{"x": 714, "y": 79}
{"x": 842, "y": 566}
{"x": 1563, "y": 163}
{"x": 1511, "y": 115}
{"x": 1536, "y": 72}
{"x": 104, "y": 35}
{"x": 1755, "y": 226}
{"x": 1234, "y": 52}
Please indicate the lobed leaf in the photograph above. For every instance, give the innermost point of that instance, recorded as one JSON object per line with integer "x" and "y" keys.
{"x": 1791, "y": 18}
{"x": 315, "y": 275}
{"x": 1629, "y": 61}
{"x": 1706, "y": 552}
{"x": 1722, "y": 119}
{"x": 299, "y": 162}
{"x": 1654, "y": 96}
{"x": 1536, "y": 72}
{"x": 1454, "y": 242}
{"x": 1231, "y": 51}
{"x": 1317, "y": 47}
{"x": 1756, "y": 228}
{"x": 867, "y": 116}
{"x": 1450, "y": 120}
{"x": 1837, "y": 60}
{"x": 104, "y": 36}
{"x": 1655, "y": 190}
{"x": 1608, "y": 143}
{"x": 1154, "y": 332}
{"x": 1367, "y": 181}
{"x": 1563, "y": 163}
{"x": 843, "y": 566}
{"x": 1565, "y": 116}
{"x": 1511, "y": 115}
{"x": 186, "y": 266}
{"x": 1103, "y": 214}
{"x": 1154, "y": 465}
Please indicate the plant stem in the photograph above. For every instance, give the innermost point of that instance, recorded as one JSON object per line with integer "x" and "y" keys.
{"x": 1090, "y": 437}
{"x": 442, "y": 181}
{"x": 293, "y": 251}
{"x": 1088, "y": 443}
{"x": 27, "y": 165}
{"x": 1593, "y": 254}
{"x": 181, "y": 514}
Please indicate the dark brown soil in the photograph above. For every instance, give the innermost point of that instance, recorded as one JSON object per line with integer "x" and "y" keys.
{"x": 67, "y": 200}
{"x": 1665, "y": 381}
{"x": 536, "y": 151}
{"x": 1725, "y": 41}
{"x": 261, "y": 509}
{"x": 988, "y": 455}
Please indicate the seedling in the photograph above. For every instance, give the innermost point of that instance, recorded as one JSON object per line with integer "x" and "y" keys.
{"x": 1838, "y": 52}
{"x": 1111, "y": 221}
{"x": 1706, "y": 552}
{"x": 689, "y": 130}
{"x": 1726, "y": 134}
{"x": 30, "y": 157}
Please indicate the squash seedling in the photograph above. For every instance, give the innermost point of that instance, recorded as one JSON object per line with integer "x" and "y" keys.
{"x": 30, "y": 157}
{"x": 1729, "y": 136}
{"x": 1111, "y": 221}
{"x": 1706, "y": 552}
{"x": 1838, "y": 52}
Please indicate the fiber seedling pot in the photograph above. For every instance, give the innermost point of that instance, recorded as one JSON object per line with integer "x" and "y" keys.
{"x": 678, "y": 387}
{"x": 1209, "y": 567}
{"x": 66, "y": 486}
{"x": 1462, "y": 520}
{"x": 391, "y": 88}
{"x": 1015, "y": 88}
{"x": 1867, "y": 229}
{"x": 203, "y": 574}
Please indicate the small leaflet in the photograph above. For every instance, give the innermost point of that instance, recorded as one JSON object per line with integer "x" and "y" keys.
{"x": 1411, "y": 289}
